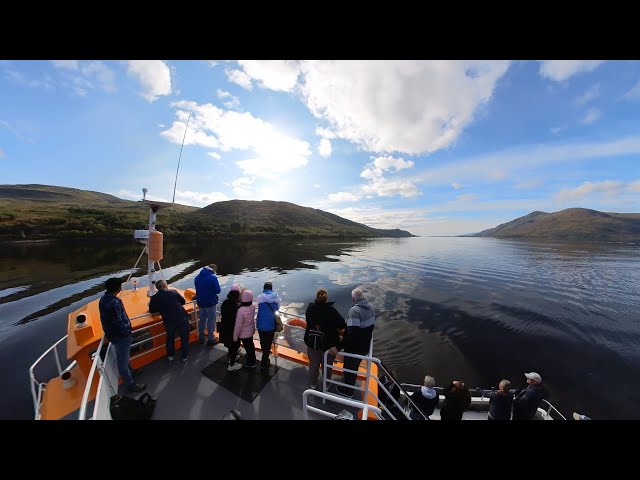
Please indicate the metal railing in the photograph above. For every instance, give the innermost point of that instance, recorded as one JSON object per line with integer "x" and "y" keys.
{"x": 37, "y": 387}
{"x": 306, "y": 408}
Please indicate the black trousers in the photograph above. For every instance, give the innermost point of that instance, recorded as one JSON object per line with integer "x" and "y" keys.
{"x": 266, "y": 339}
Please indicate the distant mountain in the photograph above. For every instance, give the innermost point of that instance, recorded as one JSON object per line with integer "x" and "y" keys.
{"x": 571, "y": 224}
{"x": 44, "y": 211}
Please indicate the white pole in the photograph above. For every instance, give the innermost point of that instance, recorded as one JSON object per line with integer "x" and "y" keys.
{"x": 150, "y": 263}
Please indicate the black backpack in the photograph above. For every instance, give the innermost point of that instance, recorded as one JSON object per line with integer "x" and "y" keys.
{"x": 128, "y": 408}
{"x": 315, "y": 339}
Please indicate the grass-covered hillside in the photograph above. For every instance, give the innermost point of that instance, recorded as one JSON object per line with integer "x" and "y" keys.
{"x": 32, "y": 212}
{"x": 572, "y": 224}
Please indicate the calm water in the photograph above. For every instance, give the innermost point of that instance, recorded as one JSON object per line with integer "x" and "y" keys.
{"x": 456, "y": 308}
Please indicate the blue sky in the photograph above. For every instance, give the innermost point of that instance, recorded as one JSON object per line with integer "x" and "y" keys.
{"x": 434, "y": 147}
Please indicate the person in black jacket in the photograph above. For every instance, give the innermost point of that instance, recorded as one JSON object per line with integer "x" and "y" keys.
{"x": 457, "y": 399}
{"x": 528, "y": 400}
{"x": 361, "y": 321}
{"x": 169, "y": 304}
{"x": 426, "y": 399}
{"x": 322, "y": 333}
{"x": 500, "y": 402}
{"x": 228, "y": 313}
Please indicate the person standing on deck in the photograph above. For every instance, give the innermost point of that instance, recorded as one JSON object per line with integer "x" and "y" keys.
{"x": 457, "y": 398}
{"x": 360, "y": 322}
{"x": 169, "y": 304}
{"x": 426, "y": 399}
{"x": 500, "y": 402}
{"x": 268, "y": 304}
{"x": 246, "y": 326}
{"x": 117, "y": 329}
{"x": 321, "y": 316}
{"x": 526, "y": 403}
{"x": 207, "y": 290}
{"x": 228, "y": 314}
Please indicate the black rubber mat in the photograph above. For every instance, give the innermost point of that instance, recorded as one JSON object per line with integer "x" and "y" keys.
{"x": 245, "y": 382}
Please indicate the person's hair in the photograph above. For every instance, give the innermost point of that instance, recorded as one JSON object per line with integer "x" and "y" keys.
{"x": 213, "y": 267}
{"x": 113, "y": 285}
{"x": 357, "y": 294}
{"x": 267, "y": 286}
{"x": 234, "y": 295}
{"x": 504, "y": 385}
{"x": 161, "y": 284}
{"x": 321, "y": 296}
{"x": 429, "y": 381}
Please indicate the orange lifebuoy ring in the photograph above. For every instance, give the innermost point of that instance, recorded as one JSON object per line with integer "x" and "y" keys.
{"x": 297, "y": 322}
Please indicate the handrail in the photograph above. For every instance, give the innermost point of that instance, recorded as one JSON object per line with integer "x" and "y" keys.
{"x": 87, "y": 389}
{"x": 34, "y": 382}
{"x": 334, "y": 398}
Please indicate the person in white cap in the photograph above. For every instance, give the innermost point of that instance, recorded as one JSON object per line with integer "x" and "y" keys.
{"x": 528, "y": 400}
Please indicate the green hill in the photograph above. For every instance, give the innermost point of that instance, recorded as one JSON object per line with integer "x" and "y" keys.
{"x": 571, "y": 224}
{"x": 42, "y": 211}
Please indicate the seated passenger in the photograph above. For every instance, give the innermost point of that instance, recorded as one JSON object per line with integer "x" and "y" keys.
{"x": 426, "y": 399}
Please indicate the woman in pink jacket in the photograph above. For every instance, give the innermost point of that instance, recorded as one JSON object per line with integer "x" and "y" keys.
{"x": 245, "y": 326}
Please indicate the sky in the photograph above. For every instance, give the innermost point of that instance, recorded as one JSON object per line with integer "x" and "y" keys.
{"x": 434, "y": 147}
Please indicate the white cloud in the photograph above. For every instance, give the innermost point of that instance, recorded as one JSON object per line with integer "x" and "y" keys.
{"x": 324, "y": 148}
{"x": 15, "y": 132}
{"x": 66, "y": 64}
{"x": 325, "y": 133}
{"x": 278, "y": 75}
{"x": 507, "y": 162}
{"x": 383, "y": 187}
{"x": 240, "y": 78}
{"x": 153, "y": 75}
{"x": 230, "y": 101}
{"x": 102, "y": 73}
{"x": 388, "y": 188}
{"x": 556, "y": 130}
{"x": 212, "y": 63}
{"x": 561, "y": 70}
{"x": 592, "y": 115}
{"x": 215, "y": 155}
{"x": 199, "y": 199}
{"x": 591, "y": 94}
{"x": 241, "y": 186}
{"x": 608, "y": 187}
{"x": 2, "y": 154}
{"x": 404, "y": 106}
{"x": 341, "y": 197}
{"x": 316, "y": 185}
{"x": 633, "y": 94}
{"x": 457, "y": 186}
{"x": 528, "y": 184}
{"x": 467, "y": 197}
{"x": 226, "y": 130}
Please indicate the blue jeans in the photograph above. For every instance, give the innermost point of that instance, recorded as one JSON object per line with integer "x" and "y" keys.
{"x": 123, "y": 351}
{"x": 183, "y": 330}
{"x": 207, "y": 316}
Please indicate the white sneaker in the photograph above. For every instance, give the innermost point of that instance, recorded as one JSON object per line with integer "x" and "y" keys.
{"x": 234, "y": 367}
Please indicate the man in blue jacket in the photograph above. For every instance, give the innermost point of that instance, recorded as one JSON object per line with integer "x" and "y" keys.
{"x": 207, "y": 290}
{"x": 169, "y": 304}
{"x": 268, "y": 303}
{"x": 117, "y": 329}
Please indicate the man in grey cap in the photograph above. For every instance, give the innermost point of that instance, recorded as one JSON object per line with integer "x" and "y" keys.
{"x": 528, "y": 400}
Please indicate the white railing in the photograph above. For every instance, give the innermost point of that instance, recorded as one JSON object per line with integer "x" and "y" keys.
{"x": 306, "y": 408}
{"x": 37, "y": 387}
{"x": 107, "y": 370}
{"x": 551, "y": 408}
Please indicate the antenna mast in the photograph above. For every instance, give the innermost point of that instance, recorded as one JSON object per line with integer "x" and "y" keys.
{"x": 180, "y": 156}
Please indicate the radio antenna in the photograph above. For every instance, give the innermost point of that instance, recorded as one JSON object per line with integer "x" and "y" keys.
{"x": 181, "y": 147}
